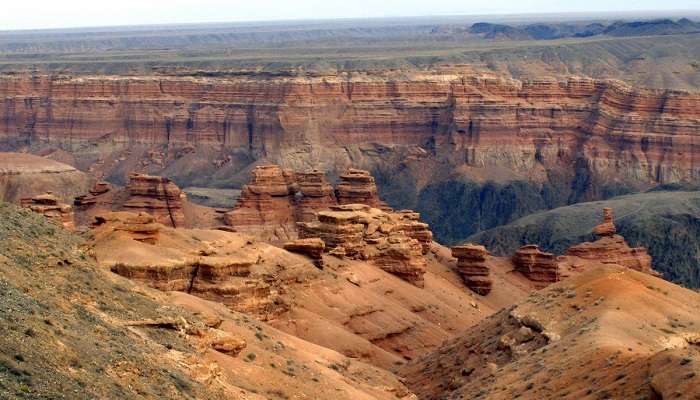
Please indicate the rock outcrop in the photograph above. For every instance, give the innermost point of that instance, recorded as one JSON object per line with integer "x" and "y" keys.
{"x": 157, "y": 196}
{"x": 23, "y": 176}
{"x": 312, "y": 247}
{"x": 411, "y": 225}
{"x": 536, "y": 265}
{"x": 612, "y": 248}
{"x": 358, "y": 187}
{"x": 471, "y": 263}
{"x": 49, "y": 206}
{"x": 266, "y": 203}
{"x": 359, "y": 231}
{"x": 607, "y": 228}
{"x": 140, "y": 227}
{"x": 219, "y": 269}
{"x": 316, "y": 194}
{"x": 99, "y": 200}
{"x": 276, "y": 199}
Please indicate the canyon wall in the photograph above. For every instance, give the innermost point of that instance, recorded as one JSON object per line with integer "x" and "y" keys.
{"x": 545, "y": 142}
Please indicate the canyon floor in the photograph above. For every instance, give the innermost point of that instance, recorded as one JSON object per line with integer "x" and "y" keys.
{"x": 73, "y": 329}
{"x": 396, "y": 209}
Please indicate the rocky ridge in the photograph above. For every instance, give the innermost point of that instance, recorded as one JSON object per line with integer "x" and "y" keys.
{"x": 587, "y": 337}
{"x": 71, "y": 328}
{"x": 370, "y": 309}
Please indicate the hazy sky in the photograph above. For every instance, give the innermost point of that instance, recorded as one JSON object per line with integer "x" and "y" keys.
{"x": 22, "y": 14}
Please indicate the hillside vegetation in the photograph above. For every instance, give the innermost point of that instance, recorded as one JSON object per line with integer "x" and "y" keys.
{"x": 667, "y": 223}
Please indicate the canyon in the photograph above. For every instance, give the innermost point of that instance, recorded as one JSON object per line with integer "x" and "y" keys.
{"x": 304, "y": 281}
{"x": 448, "y": 135}
{"x": 387, "y": 209}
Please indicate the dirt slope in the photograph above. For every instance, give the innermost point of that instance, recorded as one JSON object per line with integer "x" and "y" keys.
{"x": 69, "y": 330}
{"x": 350, "y": 306}
{"x": 608, "y": 333}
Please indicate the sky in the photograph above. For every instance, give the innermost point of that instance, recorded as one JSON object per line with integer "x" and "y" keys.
{"x": 35, "y": 14}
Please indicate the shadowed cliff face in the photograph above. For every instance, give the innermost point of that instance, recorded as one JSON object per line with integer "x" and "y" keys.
{"x": 447, "y": 135}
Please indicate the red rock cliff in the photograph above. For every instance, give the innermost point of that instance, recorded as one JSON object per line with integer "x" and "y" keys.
{"x": 336, "y": 121}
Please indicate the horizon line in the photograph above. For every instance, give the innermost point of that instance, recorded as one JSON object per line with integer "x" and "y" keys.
{"x": 667, "y": 13}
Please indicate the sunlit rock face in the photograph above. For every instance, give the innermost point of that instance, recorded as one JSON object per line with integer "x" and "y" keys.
{"x": 552, "y": 142}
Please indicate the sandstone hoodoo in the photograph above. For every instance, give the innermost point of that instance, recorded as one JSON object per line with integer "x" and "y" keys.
{"x": 358, "y": 231}
{"x": 266, "y": 203}
{"x": 471, "y": 263}
{"x": 276, "y": 199}
{"x": 358, "y": 187}
{"x": 49, "y": 206}
{"x": 607, "y": 228}
{"x": 157, "y": 196}
{"x": 316, "y": 195}
{"x": 536, "y": 265}
{"x": 612, "y": 248}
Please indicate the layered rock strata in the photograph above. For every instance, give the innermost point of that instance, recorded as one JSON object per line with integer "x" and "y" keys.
{"x": 157, "y": 196}
{"x": 358, "y": 187}
{"x": 312, "y": 247}
{"x": 140, "y": 227}
{"x": 412, "y": 226}
{"x": 218, "y": 269}
{"x": 276, "y": 199}
{"x": 536, "y": 265}
{"x": 612, "y": 248}
{"x": 359, "y": 231}
{"x": 453, "y": 116}
{"x": 49, "y": 206}
{"x": 316, "y": 194}
{"x": 607, "y": 228}
{"x": 267, "y": 202}
{"x": 471, "y": 264}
